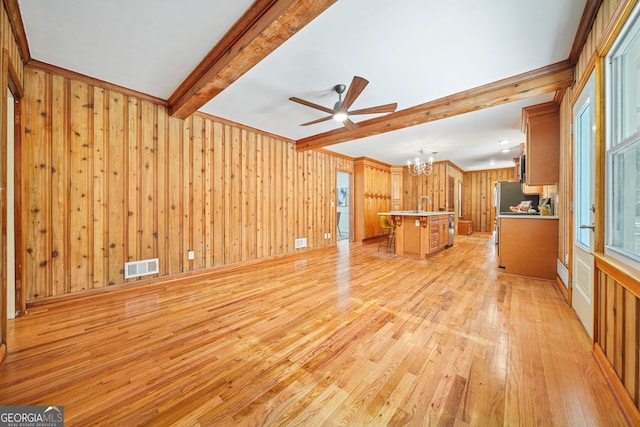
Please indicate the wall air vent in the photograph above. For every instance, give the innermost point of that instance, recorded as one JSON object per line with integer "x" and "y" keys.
{"x": 301, "y": 243}
{"x": 141, "y": 268}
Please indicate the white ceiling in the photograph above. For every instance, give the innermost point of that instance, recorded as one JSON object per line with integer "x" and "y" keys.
{"x": 411, "y": 51}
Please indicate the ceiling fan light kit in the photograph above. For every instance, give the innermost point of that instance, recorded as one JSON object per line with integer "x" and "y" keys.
{"x": 340, "y": 111}
{"x": 340, "y": 116}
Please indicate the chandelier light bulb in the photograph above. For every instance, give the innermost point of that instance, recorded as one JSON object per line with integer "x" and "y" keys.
{"x": 422, "y": 166}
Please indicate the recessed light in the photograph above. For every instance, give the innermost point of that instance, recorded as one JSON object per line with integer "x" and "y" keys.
{"x": 505, "y": 150}
{"x": 503, "y": 141}
{"x": 492, "y": 163}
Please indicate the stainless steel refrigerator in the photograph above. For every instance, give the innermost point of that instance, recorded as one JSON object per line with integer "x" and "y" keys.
{"x": 507, "y": 194}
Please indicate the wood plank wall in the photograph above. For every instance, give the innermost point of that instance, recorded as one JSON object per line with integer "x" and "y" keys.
{"x": 617, "y": 329}
{"x": 564, "y": 188}
{"x": 109, "y": 178}
{"x": 477, "y": 196}
{"x": 434, "y": 186}
{"x": 458, "y": 177}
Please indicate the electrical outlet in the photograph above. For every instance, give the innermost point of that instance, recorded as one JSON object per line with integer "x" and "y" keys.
{"x": 417, "y": 223}
{"x": 328, "y": 235}
{"x": 190, "y": 255}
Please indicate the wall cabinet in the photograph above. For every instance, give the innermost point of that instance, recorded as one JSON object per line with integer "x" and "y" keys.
{"x": 526, "y": 189}
{"x": 532, "y": 189}
{"x": 541, "y": 124}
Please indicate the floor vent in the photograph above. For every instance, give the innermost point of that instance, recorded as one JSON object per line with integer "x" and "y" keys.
{"x": 141, "y": 268}
{"x": 563, "y": 272}
{"x": 301, "y": 243}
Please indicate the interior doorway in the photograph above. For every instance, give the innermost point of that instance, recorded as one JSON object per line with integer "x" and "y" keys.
{"x": 343, "y": 206}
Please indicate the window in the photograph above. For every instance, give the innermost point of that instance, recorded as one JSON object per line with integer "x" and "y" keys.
{"x": 583, "y": 176}
{"x": 622, "y": 234}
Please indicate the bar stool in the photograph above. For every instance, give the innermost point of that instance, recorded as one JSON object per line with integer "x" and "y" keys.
{"x": 391, "y": 233}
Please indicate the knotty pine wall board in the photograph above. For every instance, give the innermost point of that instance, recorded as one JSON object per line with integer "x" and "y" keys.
{"x": 110, "y": 177}
{"x": 617, "y": 330}
{"x": 477, "y": 194}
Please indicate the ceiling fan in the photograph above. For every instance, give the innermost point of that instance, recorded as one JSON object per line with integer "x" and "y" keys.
{"x": 340, "y": 109}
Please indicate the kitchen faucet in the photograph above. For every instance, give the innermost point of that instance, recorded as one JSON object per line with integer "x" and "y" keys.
{"x": 420, "y": 202}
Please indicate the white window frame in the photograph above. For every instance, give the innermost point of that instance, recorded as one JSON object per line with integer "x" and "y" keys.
{"x": 615, "y": 140}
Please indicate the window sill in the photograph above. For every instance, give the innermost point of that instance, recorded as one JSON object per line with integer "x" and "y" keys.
{"x": 627, "y": 276}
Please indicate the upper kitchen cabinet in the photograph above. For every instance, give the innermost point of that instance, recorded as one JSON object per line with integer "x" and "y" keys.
{"x": 541, "y": 124}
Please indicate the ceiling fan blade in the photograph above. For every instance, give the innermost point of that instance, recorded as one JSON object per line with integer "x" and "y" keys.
{"x": 324, "y": 119}
{"x": 387, "y": 108}
{"x": 311, "y": 104}
{"x": 355, "y": 89}
{"x": 350, "y": 125}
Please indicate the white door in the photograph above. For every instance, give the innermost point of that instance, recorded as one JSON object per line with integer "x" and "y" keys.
{"x": 582, "y": 296}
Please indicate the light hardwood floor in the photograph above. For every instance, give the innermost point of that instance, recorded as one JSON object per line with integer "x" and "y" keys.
{"x": 339, "y": 336}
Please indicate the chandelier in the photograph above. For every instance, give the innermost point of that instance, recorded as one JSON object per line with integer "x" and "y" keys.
{"x": 422, "y": 165}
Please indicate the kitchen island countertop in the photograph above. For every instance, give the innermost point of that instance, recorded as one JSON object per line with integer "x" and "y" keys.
{"x": 414, "y": 213}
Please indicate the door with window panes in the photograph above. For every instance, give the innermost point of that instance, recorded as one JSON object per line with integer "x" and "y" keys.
{"x": 582, "y": 295}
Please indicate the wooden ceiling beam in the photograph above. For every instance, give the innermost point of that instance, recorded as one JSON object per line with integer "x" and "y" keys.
{"x": 264, "y": 26}
{"x": 543, "y": 80}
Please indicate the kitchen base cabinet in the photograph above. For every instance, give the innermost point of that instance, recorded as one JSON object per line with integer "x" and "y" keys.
{"x": 419, "y": 235}
{"x": 528, "y": 246}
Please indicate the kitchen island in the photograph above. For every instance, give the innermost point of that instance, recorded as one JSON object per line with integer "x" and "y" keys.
{"x": 419, "y": 234}
{"x": 528, "y": 245}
